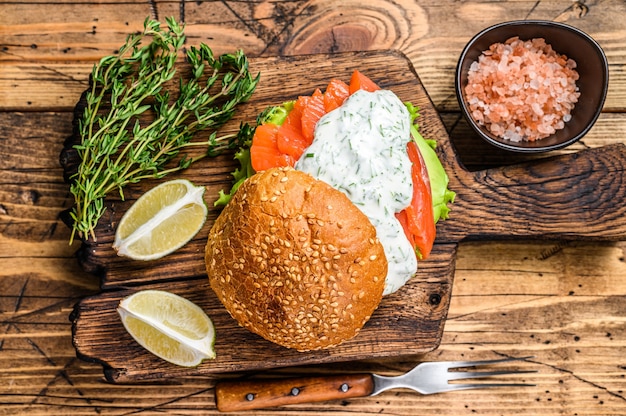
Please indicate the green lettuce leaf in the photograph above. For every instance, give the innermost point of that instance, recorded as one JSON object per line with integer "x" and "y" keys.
{"x": 441, "y": 195}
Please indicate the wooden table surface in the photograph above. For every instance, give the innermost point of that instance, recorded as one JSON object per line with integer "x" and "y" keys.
{"x": 562, "y": 302}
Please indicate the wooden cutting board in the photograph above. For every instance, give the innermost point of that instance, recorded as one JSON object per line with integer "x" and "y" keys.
{"x": 576, "y": 196}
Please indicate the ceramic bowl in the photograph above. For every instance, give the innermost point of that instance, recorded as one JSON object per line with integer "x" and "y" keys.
{"x": 592, "y": 68}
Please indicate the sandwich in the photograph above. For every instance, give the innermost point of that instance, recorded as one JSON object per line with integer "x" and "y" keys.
{"x": 334, "y": 206}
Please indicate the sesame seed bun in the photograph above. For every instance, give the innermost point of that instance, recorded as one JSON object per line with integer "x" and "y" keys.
{"x": 295, "y": 261}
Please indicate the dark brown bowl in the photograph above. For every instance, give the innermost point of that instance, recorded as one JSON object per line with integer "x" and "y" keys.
{"x": 592, "y": 68}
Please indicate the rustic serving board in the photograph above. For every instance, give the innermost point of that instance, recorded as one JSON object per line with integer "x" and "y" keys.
{"x": 576, "y": 196}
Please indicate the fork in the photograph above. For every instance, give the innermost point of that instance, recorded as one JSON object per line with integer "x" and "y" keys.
{"x": 425, "y": 378}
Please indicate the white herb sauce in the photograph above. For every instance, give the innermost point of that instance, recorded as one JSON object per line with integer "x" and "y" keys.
{"x": 360, "y": 149}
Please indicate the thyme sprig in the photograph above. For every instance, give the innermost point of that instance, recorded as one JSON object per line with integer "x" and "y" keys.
{"x": 131, "y": 128}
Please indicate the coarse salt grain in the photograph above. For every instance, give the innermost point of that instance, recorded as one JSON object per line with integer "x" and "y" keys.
{"x": 522, "y": 90}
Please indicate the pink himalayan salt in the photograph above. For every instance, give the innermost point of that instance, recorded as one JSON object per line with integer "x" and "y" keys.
{"x": 522, "y": 90}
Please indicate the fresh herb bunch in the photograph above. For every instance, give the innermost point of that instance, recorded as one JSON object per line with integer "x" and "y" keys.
{"x": 143, "y": 128}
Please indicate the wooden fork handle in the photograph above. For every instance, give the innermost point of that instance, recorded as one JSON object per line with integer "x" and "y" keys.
{"x": 257, "y": 394}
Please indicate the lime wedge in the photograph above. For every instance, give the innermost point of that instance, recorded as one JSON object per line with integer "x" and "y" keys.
{"x": 169, "y": 326}
{"x": 161, "y": 221}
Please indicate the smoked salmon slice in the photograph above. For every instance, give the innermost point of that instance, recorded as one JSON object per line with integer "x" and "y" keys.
{"x": 358, "y": 81}
{"x": 312, "y": 110}
{"x": 336, "y": 93}
{"x": 266, "y": 153}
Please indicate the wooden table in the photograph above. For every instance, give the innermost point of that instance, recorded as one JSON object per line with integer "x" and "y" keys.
{"x": 563, "y": 303}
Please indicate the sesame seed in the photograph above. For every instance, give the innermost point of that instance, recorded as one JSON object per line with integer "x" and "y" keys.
{"x": 373, "y": 257}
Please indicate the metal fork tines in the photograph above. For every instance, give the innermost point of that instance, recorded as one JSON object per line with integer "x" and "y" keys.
{"x": 435, "y": 377}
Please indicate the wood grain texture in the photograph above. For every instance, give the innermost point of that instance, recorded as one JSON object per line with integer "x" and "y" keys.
{"x": 561, "y": 301}
{"x": 573, "y": 196}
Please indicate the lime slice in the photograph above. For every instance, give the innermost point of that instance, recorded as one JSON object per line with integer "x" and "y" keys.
{"x": 161, "y": 221}
{"x": 169, "y": 326}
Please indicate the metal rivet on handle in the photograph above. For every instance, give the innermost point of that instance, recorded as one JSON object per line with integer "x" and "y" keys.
{"x": 295, "y": 391}
{"x": 250, "y": 397}
{"x": 344, "y": 387}
{"x": 434, "y": 299}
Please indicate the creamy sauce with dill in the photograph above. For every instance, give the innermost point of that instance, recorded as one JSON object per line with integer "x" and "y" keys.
{"x": 360, "y": 149}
